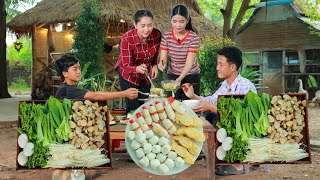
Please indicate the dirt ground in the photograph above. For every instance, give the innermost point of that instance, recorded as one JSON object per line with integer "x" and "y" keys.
{"x": 123, "y": 169}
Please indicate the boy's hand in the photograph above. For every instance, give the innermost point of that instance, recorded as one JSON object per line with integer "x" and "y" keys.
{"x": 204, "y": 106}
{"x": 131, "y": 93}
{"x": 188, "y": 90}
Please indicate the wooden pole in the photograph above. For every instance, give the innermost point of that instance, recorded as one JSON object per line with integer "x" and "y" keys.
{"x": 33, "y": 66}
{"x": 303, "y": 60}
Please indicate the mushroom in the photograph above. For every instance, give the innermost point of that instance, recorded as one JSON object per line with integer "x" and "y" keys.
{"x": 281, "y": 117}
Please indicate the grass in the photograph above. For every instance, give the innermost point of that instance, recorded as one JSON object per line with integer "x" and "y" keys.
{"x": 22, "y": 87}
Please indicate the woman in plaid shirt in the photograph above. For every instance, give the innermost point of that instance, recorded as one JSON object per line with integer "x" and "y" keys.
{"x": 138, "y": 56}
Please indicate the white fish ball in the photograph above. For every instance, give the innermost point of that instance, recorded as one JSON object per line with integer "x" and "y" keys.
{"x": 151, "y": 156}
{"x": 163, "y": 169}
{"x": 147, "y": 148}
{"x": 131, "y": 135}
{"x": 139, "y": 153}
{"x": 169, "y": 163}
{"x": 154, "y": 140}
{"x": 179, "y": 162}
{"x": 135, "y": 144}
{"x": 144, "y": 161}
{"x": 163, "y": 141}
{"x": 156, "y": 149}
{"x": 154, "y": 164}
{"x": 172, "y": 155}
{"x": 161, "y": 157}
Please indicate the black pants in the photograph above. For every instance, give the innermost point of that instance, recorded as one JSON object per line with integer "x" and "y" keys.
{"x": 212, "y": 118}
{"x": 135, "y": 103}
{"x": 191, "y": 78}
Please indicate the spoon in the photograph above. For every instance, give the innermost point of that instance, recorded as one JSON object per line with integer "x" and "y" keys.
{"x": 178, "y": 87}
{"x": 147, "y": 94}
{"x": 147, "y": 74}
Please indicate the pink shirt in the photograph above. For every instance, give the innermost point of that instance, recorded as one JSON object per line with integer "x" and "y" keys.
{"x": 178, "y": 51}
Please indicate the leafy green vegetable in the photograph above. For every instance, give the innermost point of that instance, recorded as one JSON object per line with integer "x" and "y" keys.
{"x": 39, "y": 157}
{"x": 243, "y": 119}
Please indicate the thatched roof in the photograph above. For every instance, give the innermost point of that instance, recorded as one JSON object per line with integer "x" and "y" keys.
{"x": 58, "y": 11}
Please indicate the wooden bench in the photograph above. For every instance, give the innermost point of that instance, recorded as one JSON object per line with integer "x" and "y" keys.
{"x": 117, "y": 132}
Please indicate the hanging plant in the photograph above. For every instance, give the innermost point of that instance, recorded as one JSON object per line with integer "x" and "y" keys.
{"x": 18, "y": 34}
{"x": 18, "y": 46}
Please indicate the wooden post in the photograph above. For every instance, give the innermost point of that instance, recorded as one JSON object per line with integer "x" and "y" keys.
{"x": 33, "y": 65}
{"x": 303, "y": 61}
{"x": 50, "y": 44}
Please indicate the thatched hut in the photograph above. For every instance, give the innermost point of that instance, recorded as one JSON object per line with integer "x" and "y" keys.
{"x": 40, "y": 23}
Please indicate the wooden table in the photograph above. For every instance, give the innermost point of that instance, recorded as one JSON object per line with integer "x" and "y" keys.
{"x": 117, "y": 132}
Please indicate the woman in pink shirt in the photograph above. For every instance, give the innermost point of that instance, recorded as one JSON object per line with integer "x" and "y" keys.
{"x": 180, "y": 44}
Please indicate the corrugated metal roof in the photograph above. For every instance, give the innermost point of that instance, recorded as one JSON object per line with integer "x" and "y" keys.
{"x": 299, "y": 14}
{"x": 314, "y": 24}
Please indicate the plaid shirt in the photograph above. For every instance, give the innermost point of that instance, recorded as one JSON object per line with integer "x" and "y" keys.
{"x": 239, "y": 86}
{"x": 134, "y": 53}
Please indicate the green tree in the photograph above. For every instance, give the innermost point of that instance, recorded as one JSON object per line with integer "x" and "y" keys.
{"x": 89, "y": 38}
{"x": 311, "y": 8}
{"x": 7, "y": 7}
{"x": 228, "y": 13}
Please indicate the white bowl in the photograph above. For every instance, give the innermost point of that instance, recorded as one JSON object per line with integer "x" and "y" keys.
{"x": 191, "y": 103}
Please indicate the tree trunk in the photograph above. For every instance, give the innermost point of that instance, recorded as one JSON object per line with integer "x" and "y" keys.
{"x": 242, "y": 11}
{"x": 227, "y": 17}
{"x": 3, "y": 67}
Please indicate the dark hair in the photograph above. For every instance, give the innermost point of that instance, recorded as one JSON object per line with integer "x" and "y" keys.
{"x": 140, "y": 14}
{"x": 182, "y": 10}
{"x": 64, "y": 62}
{"x": 233, "y": 55}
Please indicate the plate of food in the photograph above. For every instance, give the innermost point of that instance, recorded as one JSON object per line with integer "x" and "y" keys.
{"x": 169, "y": 85}
{"x": 164, "y": 136}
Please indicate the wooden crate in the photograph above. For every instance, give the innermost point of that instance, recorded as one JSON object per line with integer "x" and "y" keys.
{"x": 305, "y": 132}
{"x": 106, "y": 138}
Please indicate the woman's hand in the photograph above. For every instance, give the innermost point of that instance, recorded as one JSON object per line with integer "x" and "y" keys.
{"x": 131, "y": 93}
{"x": 141, "y": 69}
{"x": 162, "y": 65}
{"x": 154, "y": 72}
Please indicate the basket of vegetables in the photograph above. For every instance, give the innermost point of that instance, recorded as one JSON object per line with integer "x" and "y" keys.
{"x": 63, "y": 134}
{"x": 262, "y": 128}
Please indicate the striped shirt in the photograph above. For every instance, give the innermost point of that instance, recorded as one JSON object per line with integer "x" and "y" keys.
{"x": 178, "y": 51}
{"x": 239, "y": 86}
{"x": 134, "y": 53}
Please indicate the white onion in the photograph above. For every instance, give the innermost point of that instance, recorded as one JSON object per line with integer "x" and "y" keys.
{"x": 28, "y": 150}
{"x": 22, "y": 159}
{"x": 22, "y": 140}
{"x": 221, "y": 154}
{"x": 226, "y": 146}
{"x": 228, "y": 140}
{"x": 221, "y": 134}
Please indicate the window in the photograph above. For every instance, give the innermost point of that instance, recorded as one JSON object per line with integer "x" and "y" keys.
{"x": 251, "y": 58}
{"x": 274, "y": 59}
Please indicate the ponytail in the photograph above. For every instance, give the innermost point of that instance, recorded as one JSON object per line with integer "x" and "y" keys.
{"x": 189, "y": 26}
